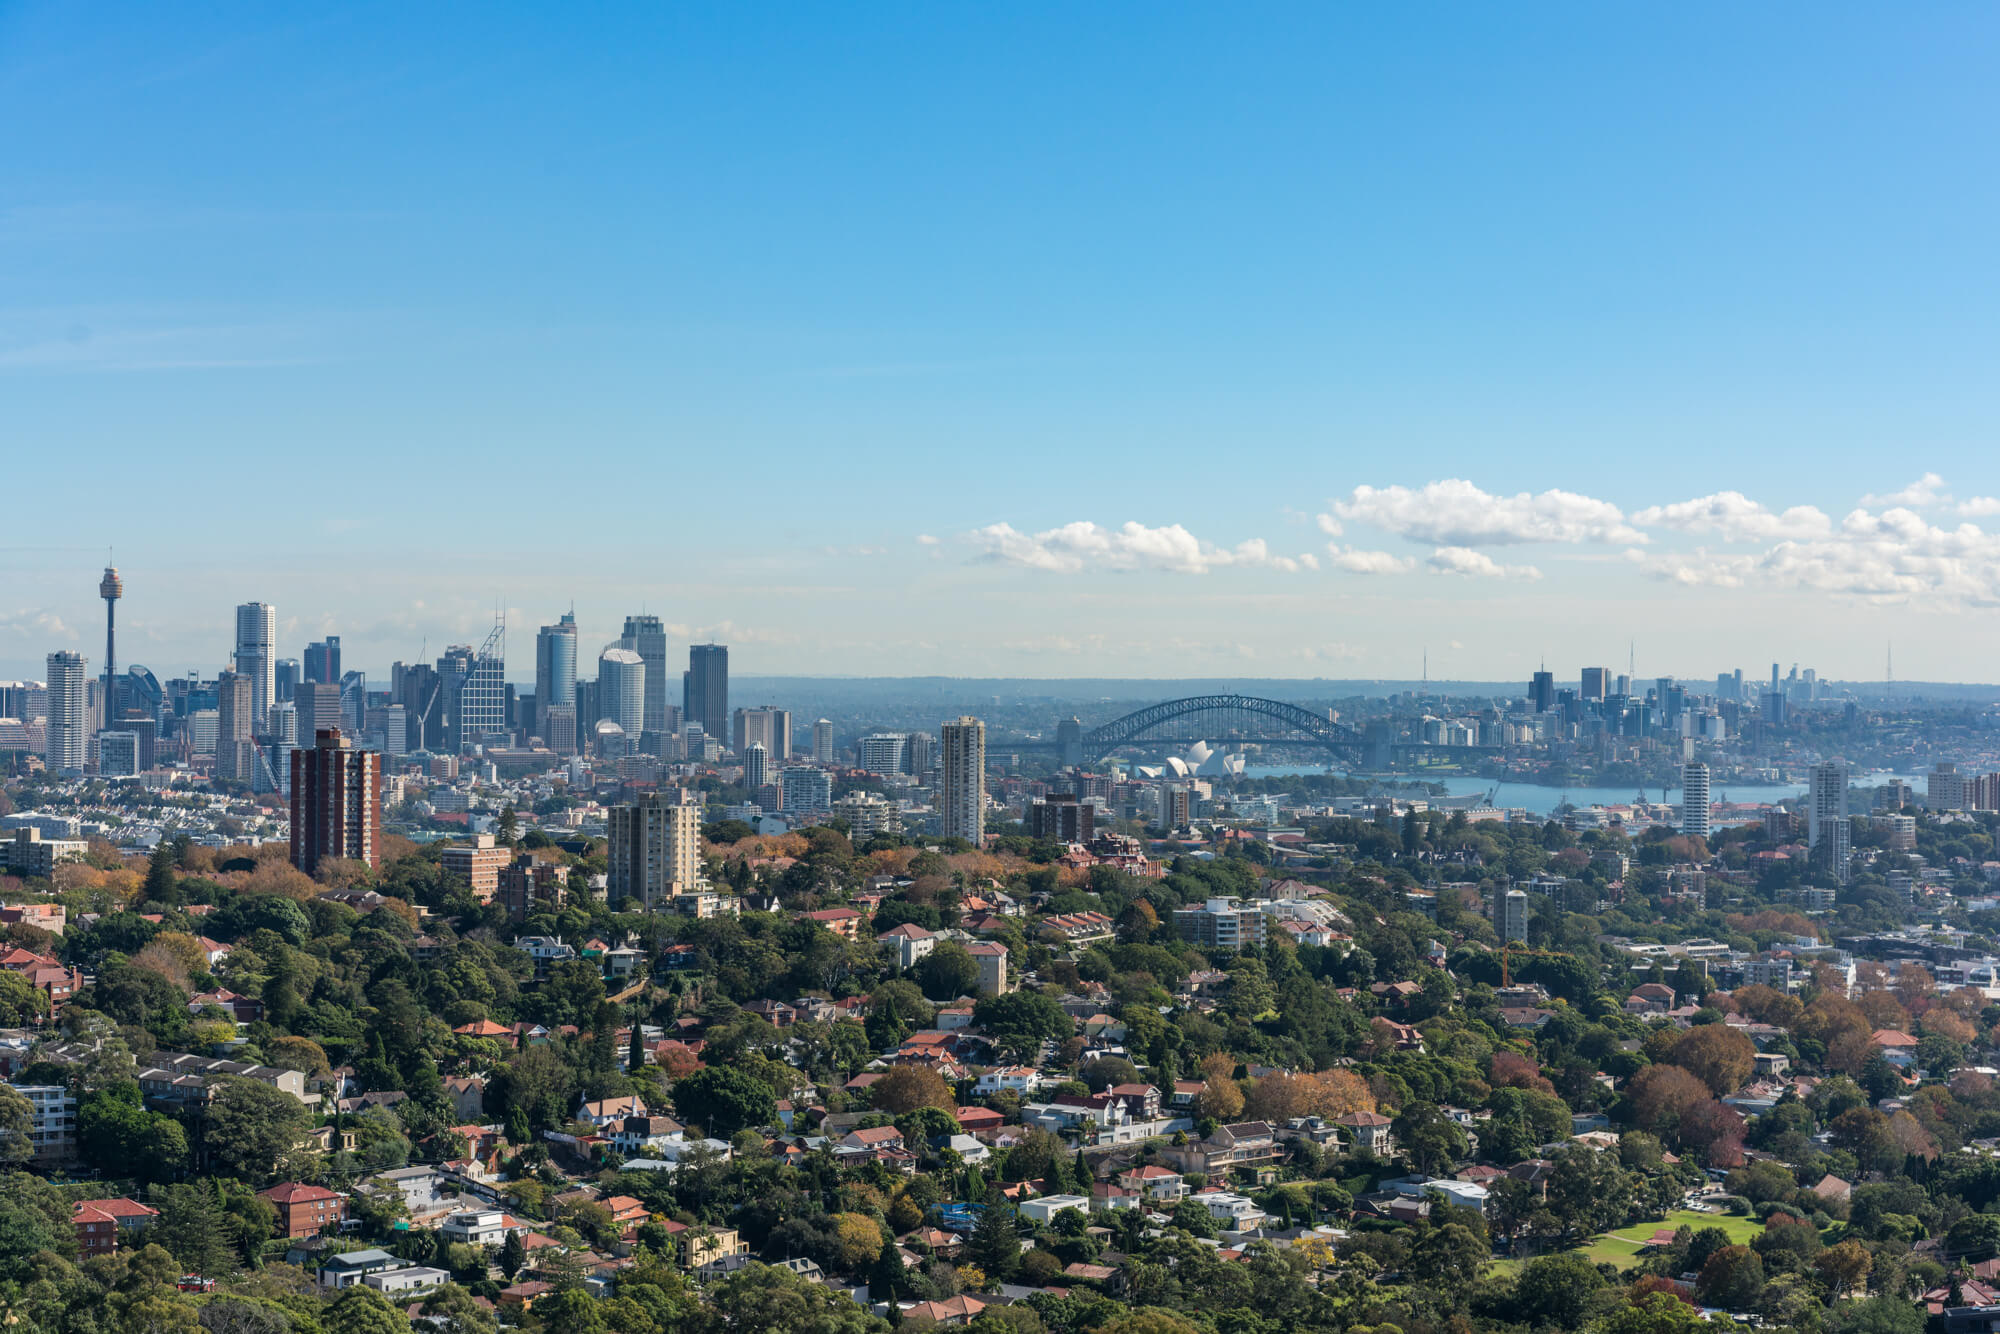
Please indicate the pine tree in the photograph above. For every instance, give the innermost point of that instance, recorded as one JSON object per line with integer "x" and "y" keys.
{"x": 513, "y": 1254}
{"x": 510, "y": 827}
{"x": 635, "y": 1051}
{"x": 162, "y": 886}
{"x": 886, "y": 1281}
{"x": 995, "y": 1244}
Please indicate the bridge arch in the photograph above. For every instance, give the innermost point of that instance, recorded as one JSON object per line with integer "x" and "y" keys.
{"x": 1132, "y": 729}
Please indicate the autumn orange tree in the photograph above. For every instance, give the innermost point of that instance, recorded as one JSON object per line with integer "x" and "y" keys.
{"x": 1717, "y": 1055}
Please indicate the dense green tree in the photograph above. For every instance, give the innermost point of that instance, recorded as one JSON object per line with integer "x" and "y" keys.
{"x": 17, "y": 1126}
{"x": 1556, "y": 1290}
{"x": 362, "y": 1310}
{"x": 947, "y": 972}
{"x": 249, "y": 1128}
{"x": 723, "y": 1100}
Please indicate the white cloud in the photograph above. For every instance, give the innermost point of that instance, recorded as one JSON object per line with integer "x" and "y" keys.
{"x": 1329, "y": 525}
{"x": 35, "y": 623}
{"x": 1456, "y": 513}
{"x": 1368, "y": 562}
{"x": 1134, "y": 546}
{"x": 1896, "y": 556}
{"x": 926, "y": 540}
{"x": 1980, "y": 507}
{"x": 1926, "y": 490}
{"x": 1466, "y": 561}
{"x": 1734, "y": 517}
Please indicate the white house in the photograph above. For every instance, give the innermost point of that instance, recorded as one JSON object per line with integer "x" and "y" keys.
{"x": 477, "y": 1227}
{"x": 1234, "y": 1212}
{"x": 351, "y": 1267}
{"x": 1046, "y": 1208}
{"x": 1021, "y": 1079}
{"x": 408, "y": 1281}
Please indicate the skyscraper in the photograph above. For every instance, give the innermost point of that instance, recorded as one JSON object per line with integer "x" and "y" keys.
{"x": 555, "y": 671}
{"x": 768, "y": 727}
{"x": 645, "y": 636}
{"x": 823, "y": 741}
{"x": 317, "y": 704}
{"x": 482, "y": 701}
{"x": 284, "y": 680}
{"x": 1542, "y": 691}
{"x": 621, "y": 690}
{"x": 1595, "y": 683}
{"x": 110, "y": 588}
{"x": 256, "y": 630}
{"x": 963, "y": 796}
{"x": 67, "y": 730}
{"x": 235, "y": 753}
{"x": 753, "y": 765}
{"x": 705, "y": 689}
{"x": 1828, "y": 832}
{"x": 1694, "y": 800}
{"x": 322, "y": 662}
{"x": 336, "y": 802}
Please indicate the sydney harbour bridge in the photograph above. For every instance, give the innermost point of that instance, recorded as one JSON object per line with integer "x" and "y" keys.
{"x": 1237, "y": 720}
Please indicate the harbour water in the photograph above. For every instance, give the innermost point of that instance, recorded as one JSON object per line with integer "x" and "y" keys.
{"x": 1541, "y": 799}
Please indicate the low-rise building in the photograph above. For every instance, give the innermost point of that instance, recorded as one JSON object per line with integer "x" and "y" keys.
{"x": 102, "y": 1226}
{"x": 304, "y": 1210}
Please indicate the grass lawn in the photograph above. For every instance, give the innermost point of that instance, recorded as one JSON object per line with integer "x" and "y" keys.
{"x": 1624, "y": 1247}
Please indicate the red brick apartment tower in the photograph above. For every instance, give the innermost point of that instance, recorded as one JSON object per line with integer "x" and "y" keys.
{"x": 336, "y": 802}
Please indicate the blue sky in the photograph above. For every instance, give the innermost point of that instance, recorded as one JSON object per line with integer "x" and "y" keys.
{"x": 381, "y": 313}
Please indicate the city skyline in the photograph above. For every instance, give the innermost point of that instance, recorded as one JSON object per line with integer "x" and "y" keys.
{"x": 997, "y": 306}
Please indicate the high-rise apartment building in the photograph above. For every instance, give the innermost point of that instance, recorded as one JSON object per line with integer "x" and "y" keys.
{"x": 235, "y": 752}
{"x": 767, "y": 726}
{"x": 802, "y": 790}
{"x": 1694, "y": 800}
{"x": 1828, "y": 831}
{"x": 621, "y": 691}
{"x": 962, "y": 798}
{"x": 919, "y": 753}
{"x": 654, "y": 850}
{"x": 336, "y": 802}
{"x": 754, "y": 756}
{"x": 1061, "y": 818}
{"x": 1944, "y": 788}
{"x": 118, "y": 754}
{"x": 322, "y": 660}
{"x": 647, "y": 637}
{"x": 881, "y": 752}
{"x": 1510, "y": 914}
{"x": 66, "y": 735}
{"x": 823, "y": 741}
{"x": 555, "y": 674}
{"x": 705, "y": 689}
{"x": 256, "y": 632}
